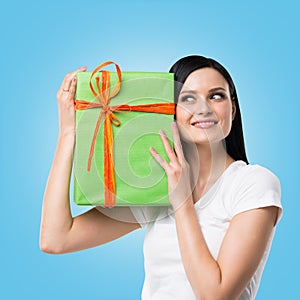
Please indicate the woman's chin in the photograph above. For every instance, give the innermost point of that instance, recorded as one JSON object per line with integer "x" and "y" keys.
{"x": 202, "y": 140}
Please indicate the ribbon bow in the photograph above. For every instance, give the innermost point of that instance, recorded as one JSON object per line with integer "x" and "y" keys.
{"x": 103, "y": 95}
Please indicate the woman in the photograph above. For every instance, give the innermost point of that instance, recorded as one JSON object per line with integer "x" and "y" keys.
{"x": 214, "y": 240}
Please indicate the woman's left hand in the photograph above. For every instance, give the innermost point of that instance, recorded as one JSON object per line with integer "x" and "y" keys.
{"x": 177, "y": 170}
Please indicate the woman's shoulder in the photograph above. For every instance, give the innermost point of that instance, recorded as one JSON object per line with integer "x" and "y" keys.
{"x": 254, "y": 186}
{"x": 246, "y": 174}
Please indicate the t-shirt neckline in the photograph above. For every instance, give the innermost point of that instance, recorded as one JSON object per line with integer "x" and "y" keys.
{"x": 208, "y": 195}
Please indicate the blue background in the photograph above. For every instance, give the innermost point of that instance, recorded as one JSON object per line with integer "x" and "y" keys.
{"x": 258, "y": 41}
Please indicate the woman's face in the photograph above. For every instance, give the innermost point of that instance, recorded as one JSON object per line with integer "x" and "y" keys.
{"x": 205, "y": 111}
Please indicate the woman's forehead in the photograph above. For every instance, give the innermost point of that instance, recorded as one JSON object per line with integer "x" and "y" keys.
{"x": 205, "y": 78}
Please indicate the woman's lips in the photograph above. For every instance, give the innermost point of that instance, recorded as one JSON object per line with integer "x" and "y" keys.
{"x": 205, "y": 124}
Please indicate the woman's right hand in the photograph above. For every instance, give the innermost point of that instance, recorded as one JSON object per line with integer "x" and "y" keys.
{"x": 66, "y": 103}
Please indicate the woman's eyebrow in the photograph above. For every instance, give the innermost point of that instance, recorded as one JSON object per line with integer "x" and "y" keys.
{"x": 211, "y": 90}
{"x": 217, "y": 89}
{"x": 188, "y": 92}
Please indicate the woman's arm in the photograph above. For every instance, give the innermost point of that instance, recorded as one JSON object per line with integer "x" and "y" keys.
{"x": 239, "y": 256}
{"x": 60, "y": 232}
{"x": 243, "y": 245}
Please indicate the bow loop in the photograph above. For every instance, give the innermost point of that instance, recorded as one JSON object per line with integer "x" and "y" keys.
{"x": 103, "y": 94}
{"x": 114, "y": 119}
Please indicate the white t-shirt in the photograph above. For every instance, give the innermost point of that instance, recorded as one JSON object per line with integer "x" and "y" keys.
{"x": 241, "y": 187}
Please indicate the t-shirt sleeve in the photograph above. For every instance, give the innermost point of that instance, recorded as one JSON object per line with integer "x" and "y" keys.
{"x": 145, "y": 215}
{"x": 256, "y": 187}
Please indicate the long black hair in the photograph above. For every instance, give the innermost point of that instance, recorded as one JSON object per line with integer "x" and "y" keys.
{"x": 234, "y": 142}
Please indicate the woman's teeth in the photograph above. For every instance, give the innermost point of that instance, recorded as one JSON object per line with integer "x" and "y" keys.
{"x": 204, "y": 124}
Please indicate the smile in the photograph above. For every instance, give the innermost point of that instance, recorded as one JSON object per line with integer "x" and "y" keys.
{"x": 204, "y": 124}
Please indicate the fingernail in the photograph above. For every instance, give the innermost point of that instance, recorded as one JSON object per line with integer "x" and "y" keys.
{"x": 152, "y": 149}
{"x": 174, "y": 124}
{"x": 74, "y": 79}
{"x": 162, "y": 133}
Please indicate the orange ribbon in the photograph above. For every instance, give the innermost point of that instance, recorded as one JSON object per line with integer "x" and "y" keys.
{"x": 103, "y": 95}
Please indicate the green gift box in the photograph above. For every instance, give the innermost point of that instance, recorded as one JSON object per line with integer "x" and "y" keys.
{"x": 139, "y": 180}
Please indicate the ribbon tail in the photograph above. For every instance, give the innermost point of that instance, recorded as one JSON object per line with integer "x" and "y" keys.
{"x": 109, "y": 175}
{"x": 92, "y": 149}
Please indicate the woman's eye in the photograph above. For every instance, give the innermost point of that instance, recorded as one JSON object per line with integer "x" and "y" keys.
{"x": 217, "y": 97}
{"x": 187, "y": 99}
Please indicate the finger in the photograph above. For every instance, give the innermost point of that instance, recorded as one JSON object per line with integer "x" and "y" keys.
{"x": 158, "y": 158}
{"x": 169, "y": 150}
{"x": 65, "y": 86}
{"x": 72, "y": 88}
{"x": 177, "y": 142}
{"x": 69, "y": 77}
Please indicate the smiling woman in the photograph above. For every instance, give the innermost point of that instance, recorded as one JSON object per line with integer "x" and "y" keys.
{"x": 205, "y": 103}
{"x": 214, "y": 242}
{"x": 215, "y": 238}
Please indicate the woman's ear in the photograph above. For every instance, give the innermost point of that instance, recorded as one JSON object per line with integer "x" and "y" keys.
{"x": 233, "y": 109}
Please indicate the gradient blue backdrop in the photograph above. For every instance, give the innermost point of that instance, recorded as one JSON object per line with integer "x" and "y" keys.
{"x": 258, "y": 41}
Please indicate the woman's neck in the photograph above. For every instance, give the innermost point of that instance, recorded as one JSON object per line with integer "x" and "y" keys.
{"x": 210, "y": 163}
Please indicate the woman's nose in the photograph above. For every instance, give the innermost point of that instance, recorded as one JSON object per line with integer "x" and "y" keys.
{"x": 202, "y": 107}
